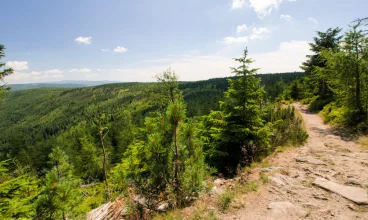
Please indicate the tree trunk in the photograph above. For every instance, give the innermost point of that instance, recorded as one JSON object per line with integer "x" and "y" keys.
{"x": 176, "y": 171}
{"x": 100, "y": 131}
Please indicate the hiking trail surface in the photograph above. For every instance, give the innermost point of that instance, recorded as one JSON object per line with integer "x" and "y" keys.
{"x": 327, "y": 178}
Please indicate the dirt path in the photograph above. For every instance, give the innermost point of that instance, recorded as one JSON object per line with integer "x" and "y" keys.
{"x": 291, "y": 193}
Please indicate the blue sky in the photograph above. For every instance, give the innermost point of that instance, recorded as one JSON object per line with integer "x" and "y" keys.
{"x": 126, "y": 40}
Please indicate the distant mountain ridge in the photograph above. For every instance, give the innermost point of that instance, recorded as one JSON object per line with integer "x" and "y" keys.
{"x": 59, "y": 84}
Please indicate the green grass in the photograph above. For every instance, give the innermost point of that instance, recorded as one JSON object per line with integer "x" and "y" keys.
{"x": 224, "y": 200}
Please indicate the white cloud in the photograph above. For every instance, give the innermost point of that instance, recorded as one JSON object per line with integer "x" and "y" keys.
{"x": 313, "y": 20}
{"x": 83, "y": 40}
{"x": 241, "y": 28}
{"x": 259, "y": 33}
{"x": 238, "y": 4}
{"x": 53, "y": 71}
{"x": 235, "y": 40}
{"x": 262, "y": 8}
{"x": 287, "y": 58}
{"x": 83, "y": 70}
{"x": 119, "y": 49}
{"x": 18, "y": 65}
{"x": 261, "y": 30}
{"x": 285, "y": 17}
{"x": 105, "y": 50}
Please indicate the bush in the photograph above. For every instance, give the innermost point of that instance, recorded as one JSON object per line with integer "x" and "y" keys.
{"x": 287, "y": 127}
{"x": 224, "y": 200}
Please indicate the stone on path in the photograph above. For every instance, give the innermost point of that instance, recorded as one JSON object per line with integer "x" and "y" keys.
{"x": 270, "y": 169}
{"x": 355, "y": 194}
{"x": 310, "y": 160}
{"x": 286, "y": 210}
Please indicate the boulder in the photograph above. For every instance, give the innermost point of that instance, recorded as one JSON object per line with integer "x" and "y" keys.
{"x": 163, "y": 207}
{"x": 355, "y": 194}
{"x": 111, "y": 210}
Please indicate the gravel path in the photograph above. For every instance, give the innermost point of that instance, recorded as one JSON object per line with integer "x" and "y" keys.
{"x": 292, "y": 192}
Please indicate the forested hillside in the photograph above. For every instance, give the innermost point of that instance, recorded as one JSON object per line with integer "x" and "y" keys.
{"x": 32, "y": 120}
{"x": 161, "y": 140}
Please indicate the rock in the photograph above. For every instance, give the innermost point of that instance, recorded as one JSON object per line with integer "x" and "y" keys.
{"x": 277, "y": 180}
{"x": 270, "y": 169}
{"x": 351, "y": 206}
{"x": 355, "y": 194}
{"x": 310, "y": 206}
{"x": 216, "y": 191}
{"x": 353, "y": 182}
{"x": 219, "y": 182}
{"x": 163, "y": 207}
{"x": 140, "y": 200}
{"x": 310, "y": 160}
{"x": 111, "y": 210}
{"x": 320, "y": 196}
{"x": 281, "y": 180}
{"x": 286, "y": 210}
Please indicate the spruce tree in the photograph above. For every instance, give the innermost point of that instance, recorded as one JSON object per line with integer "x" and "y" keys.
{"x": 243, "y": 136}
{"x": 3, "y": 70}
{"x": 60, "y": 193}
{"x": 18, "y": 191}
{"x": 316, "y": 82}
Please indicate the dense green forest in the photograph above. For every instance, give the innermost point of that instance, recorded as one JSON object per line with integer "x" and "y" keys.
{"x": 162, "y": 139}
{"x": 34, "y": 120}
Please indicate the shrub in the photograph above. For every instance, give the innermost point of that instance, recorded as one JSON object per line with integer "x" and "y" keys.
{"x": 224, "y": 200}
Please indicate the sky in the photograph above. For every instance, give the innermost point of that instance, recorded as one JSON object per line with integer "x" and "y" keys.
{"x": 133, "y": 40}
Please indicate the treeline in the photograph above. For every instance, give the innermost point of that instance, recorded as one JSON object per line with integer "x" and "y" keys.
{"x": 336, "y": 77}
{"x": 67, "y": 151}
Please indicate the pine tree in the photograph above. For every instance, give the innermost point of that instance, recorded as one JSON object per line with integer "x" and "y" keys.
{"x": 169, "y": 163}
{"x": 243, "y": 136}
{"x": 348, "y": 76}
{"x": 17, "y": 193}
{"x": 316, "y": 81}
{"x": 60, "y": 193}
{"x": 3, "y": 71}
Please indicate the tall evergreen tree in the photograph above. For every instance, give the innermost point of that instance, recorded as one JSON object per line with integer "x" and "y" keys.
{"x": 348, "y": 75}
{"x": 316, "y": 82}
{"x": 3, "y": 70}
{"x": 60, "y": 193}
{"x": 243, "y": 135}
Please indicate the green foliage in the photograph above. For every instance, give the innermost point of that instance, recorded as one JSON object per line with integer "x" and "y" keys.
{"x": 60, "y": 192}
{"x": 4, "y": 72}
{"x": 287, "y": 127}
{"x": 238, "y": 132}
{"x": 224, "y": 200}
{"x": 316, "y": 81}
{"x": 17, "y": 193}
{"x": 349, "y": 68}
{"x": 168, "y": 163}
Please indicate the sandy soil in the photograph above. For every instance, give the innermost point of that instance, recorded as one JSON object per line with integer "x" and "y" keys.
{"x": 291, "y": 195}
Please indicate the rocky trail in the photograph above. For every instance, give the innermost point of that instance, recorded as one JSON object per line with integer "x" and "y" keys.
{"x": 327, "y": 178}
